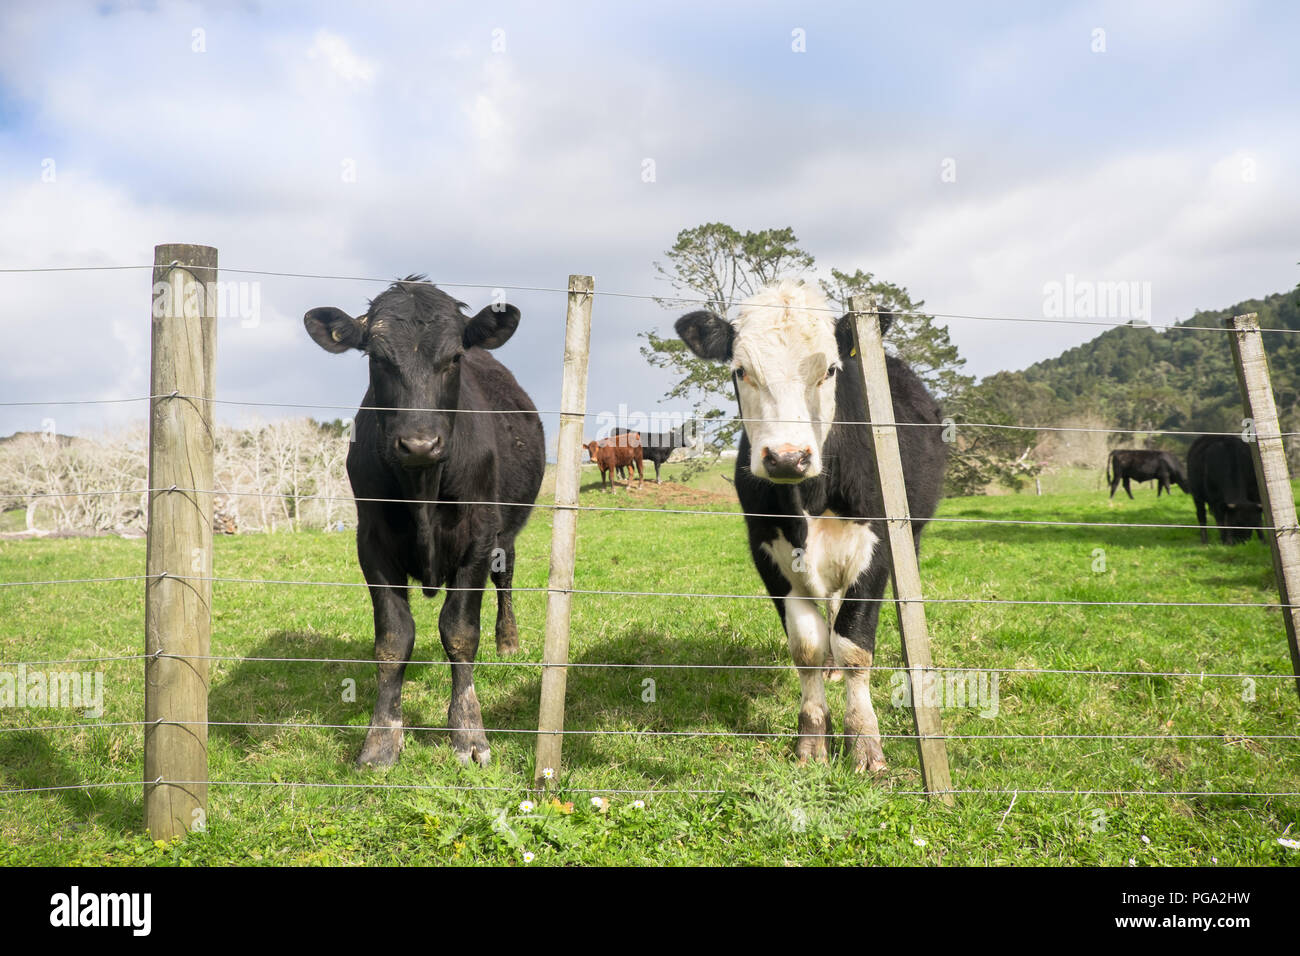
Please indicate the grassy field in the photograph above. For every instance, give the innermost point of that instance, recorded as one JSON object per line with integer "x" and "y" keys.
{"x": 768, "y": 811}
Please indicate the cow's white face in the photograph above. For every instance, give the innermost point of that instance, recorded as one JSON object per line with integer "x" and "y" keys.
{"x": 784, "y": 358}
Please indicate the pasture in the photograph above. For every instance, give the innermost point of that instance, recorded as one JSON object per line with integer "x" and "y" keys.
{"x": 727, "y": 730}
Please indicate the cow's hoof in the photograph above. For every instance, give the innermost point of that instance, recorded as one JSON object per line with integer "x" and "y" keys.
{"x": 814, "y": 742}
{"x": 474, "y": 754}
{"x": 507, "y": 643}
{"x": 868, "y": 757}
{"x": 872, "y": 767}
{"x": 471, "y": 746}
{"x": 382, "y": 747}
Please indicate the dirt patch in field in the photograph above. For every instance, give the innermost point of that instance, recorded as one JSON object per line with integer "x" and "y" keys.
{"x": 670, "y": 494}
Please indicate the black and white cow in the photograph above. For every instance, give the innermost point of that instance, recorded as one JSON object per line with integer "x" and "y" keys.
{"x": 1221, "y": 473}
{"x": 792, "y": 370}
{"x": 417, "y": 439}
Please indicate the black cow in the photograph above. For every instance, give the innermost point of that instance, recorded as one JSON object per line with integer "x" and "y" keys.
{"x": 792, "y": 367}
{"x": 1139, "y": 464}
{"x": 1221, "y": 472}
{"x": 417, "y": 440}
{"x": 658, "y": 446}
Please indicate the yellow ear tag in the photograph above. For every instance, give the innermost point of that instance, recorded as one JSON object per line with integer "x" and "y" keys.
{"x": 853, "y": 352}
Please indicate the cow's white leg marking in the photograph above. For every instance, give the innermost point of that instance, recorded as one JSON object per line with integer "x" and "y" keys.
{"x": 860, "y": 724}
{"x": 809, "y": 639}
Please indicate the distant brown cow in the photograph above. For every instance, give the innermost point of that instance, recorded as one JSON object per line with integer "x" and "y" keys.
{"x": 621, "y": 451}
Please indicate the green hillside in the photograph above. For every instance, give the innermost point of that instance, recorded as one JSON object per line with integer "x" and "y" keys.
{"x": 1140, "y": 378}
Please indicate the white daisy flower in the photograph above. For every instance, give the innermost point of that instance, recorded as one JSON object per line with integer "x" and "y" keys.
{"x": 528, "y": 857}
{"x": 526, "y": 807}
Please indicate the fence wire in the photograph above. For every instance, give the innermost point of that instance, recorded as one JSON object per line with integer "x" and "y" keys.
{"x": 704, "y": 424}
{"x": 714, "y": 513}
{"x": 667, "y": 300}
{"x": 1227, "y": 738}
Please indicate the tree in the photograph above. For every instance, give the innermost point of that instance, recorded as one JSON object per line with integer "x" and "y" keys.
{"x": 981, "y": 456}
{"x": 715, "y": 267}
{"x": 913, "y": 336}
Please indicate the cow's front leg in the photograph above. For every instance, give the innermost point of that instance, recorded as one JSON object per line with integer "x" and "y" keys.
{"x": 394, "y": 640}
{"x": 458, "y": 626}
{"x": 809, "y": 639}
{"x": 853, "y": 643}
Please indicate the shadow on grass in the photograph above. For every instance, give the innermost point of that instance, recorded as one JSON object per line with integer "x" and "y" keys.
{"x": 598, "y": 697}
{"x": 281, "y": 691}
{"x": 678, "y": 699}
{"x": 28, "y": 760}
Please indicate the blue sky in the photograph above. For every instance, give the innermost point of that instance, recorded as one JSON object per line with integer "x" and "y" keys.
{"x": 1169, "y": 158}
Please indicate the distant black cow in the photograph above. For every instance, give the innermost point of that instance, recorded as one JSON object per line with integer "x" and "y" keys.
{"x": 1138, "y": 464}
{"x": 414, "y": 441}
{"x": 808, "y": 487}
{"x": 658, "y": 446}
{"x": 1221, "y": 472}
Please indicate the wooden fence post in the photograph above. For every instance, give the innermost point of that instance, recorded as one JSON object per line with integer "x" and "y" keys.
{"x": 905, "y": 571}
{"x": 177, "y": 610}
{"x": 1271, "y": 469}
{"x": 564, "y": 529}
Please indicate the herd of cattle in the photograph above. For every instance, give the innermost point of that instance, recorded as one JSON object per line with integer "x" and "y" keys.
{"x": 1220, "y": 475}
{"x": 625, "y": 449}
{"x": 448, "y": 457}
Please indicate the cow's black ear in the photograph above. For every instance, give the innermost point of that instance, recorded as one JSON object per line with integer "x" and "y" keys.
{"x": 492, "y": 327}
{"x": 844, "y": 331}
{"x": 334, "y": 330}
{"x": 707, "y": 335}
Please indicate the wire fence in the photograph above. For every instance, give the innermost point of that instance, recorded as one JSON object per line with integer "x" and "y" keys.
{"x": 662, "y": 299}
{"x": 1227, "y": 738}
{"x": 697, "y": 423}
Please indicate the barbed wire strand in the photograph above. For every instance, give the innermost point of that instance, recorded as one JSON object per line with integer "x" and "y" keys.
{"x": 551, "y": 506}
{"x": 523, "y": 788}
{"x": 886, "y": 668}
{"x": 1228, "y": 738}
{"x": 665, "y": 300}
{"x": 652, "y": 594}
{"x": 697, "y": 424}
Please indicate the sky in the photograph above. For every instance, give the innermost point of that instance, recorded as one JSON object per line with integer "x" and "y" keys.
{"x": 976, "y": 154}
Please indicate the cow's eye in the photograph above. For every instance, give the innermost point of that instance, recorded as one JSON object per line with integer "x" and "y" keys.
{"x": 455, "y": 359}
{"x": 740, "y": 372}
{"x": 830, "y": 374}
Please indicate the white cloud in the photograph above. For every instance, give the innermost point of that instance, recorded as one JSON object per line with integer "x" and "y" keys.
{"x": 334, "y": 51}
{"x": 517, "y": 168}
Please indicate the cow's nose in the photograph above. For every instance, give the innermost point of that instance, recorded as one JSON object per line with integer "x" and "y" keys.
{"x": 420, "y": 451}
{"x": 786, "y": 462}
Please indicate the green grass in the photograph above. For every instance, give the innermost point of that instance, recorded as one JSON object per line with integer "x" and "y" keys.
{"x": 770, "y": 811}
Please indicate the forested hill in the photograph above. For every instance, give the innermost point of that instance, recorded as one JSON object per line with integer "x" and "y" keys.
{"x": 1141, "y": 378}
